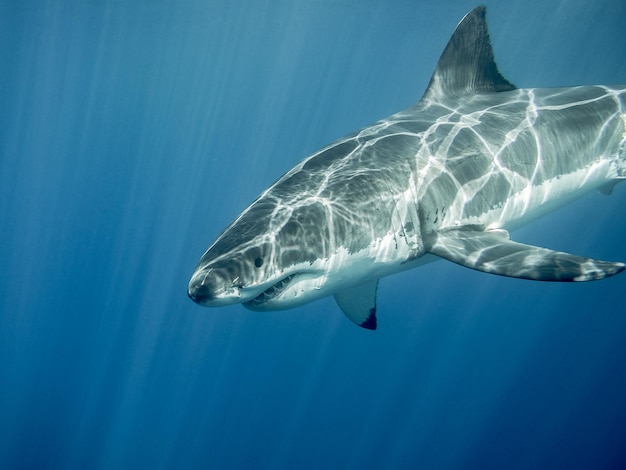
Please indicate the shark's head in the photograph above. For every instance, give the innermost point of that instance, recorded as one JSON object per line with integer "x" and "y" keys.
{"x": 324, "y": 228}
{"x": 266, "y": 259}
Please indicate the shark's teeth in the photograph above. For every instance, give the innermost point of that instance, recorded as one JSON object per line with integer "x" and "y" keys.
{"x": 272, "y": 292}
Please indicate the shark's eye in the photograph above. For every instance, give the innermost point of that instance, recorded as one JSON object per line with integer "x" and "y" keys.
{"x": 258, "y": 262}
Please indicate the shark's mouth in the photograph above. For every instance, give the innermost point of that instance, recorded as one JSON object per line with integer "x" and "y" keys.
{"x": 269, "y": 294}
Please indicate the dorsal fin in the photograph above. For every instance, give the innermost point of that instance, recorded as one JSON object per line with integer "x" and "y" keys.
{"x": 467, "y": 64}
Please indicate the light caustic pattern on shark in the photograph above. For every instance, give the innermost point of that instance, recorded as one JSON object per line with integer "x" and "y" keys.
{"x": 447, "y": 177}
{"x": 535, "y": 139}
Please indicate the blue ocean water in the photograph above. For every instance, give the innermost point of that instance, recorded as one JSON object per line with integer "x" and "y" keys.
{"x": 131, "y": 133}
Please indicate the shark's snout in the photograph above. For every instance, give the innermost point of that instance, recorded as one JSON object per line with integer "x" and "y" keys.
{"x": 205, "y": 288}
{"x": 210, "y": 288}
{"x": 199, "y": 293}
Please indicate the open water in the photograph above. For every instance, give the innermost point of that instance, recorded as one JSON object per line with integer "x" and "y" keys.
{"x": 132, "y": 132}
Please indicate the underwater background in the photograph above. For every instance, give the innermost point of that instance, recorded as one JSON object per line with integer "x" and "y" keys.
{"x": 133, "y": 132}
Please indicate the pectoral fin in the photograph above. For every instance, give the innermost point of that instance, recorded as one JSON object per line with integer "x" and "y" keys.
{"x": 359, "y": 304}
{"x": 493, "y": 252}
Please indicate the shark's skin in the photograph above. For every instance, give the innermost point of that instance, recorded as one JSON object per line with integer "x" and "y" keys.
{"x": 448, "y": 178}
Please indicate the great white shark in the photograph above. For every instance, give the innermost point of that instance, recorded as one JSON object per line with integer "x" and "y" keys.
{"x": 446, "y": 178}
